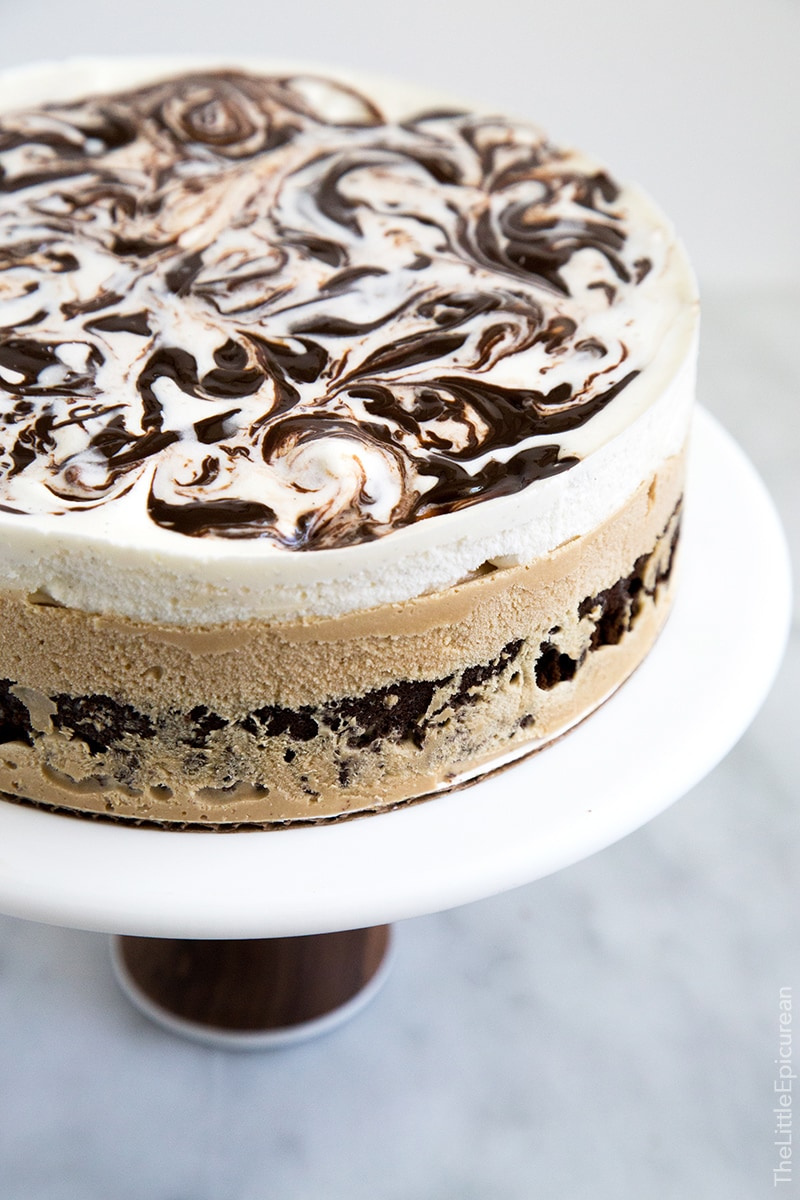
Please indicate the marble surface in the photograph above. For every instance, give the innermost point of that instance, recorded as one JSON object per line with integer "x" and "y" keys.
{"x": 608, "y": 1032}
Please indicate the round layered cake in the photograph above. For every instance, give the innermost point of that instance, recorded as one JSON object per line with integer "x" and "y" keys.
{"x": 342, "y": 440}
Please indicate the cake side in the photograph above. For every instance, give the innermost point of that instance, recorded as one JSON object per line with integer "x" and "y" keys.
{"x": 268, "y": 724}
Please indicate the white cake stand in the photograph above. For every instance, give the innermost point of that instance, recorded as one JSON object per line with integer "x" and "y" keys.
{"x": 673, "y": 721}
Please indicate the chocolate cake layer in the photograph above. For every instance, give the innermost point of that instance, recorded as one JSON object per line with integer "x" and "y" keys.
{"x": 258, "y": 724}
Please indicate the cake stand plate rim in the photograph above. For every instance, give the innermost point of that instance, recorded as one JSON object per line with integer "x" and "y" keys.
{"x": 635, "y": 756}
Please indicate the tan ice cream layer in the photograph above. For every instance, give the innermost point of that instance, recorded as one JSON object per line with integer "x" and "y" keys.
{"x": 257, "y": 723}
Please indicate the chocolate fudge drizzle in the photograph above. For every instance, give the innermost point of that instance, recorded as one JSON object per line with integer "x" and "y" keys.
{"x": 269, "y": 312}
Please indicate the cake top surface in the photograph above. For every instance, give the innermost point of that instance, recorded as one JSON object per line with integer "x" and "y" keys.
{"x": 283, "y": 311}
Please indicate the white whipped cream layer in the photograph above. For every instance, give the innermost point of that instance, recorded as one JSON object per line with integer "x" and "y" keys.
{"x": 112, "y": 559}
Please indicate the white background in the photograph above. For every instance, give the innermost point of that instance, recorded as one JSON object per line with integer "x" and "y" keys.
{"x": 698, "y": 100}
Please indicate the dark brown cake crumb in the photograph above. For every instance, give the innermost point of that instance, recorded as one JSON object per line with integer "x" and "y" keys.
{"x": 100, "y": 721}
{"x": 553, "y": 667}
{"x": 15, "y": 722}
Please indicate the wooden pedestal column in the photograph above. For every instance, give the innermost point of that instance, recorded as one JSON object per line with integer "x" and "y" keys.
{"x": 253, "y": 992}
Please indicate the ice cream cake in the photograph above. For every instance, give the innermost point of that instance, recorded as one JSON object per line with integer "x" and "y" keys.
{"x": 342, "y": 440}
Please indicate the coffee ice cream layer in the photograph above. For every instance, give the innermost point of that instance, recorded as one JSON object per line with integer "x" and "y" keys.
{"x": 267, "y": 724}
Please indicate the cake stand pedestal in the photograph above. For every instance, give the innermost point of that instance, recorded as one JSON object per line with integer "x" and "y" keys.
{"x": 275, "y": 892}
{"x": 254, "y": 993}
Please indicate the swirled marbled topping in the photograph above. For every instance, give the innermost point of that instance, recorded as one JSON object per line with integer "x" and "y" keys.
{"x": 267, "y": 311}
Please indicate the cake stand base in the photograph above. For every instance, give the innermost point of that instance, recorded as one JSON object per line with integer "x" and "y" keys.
{"x": 255, "y": 993}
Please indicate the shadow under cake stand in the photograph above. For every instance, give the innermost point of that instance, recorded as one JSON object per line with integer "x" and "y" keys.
{"x": 257, "y": 937}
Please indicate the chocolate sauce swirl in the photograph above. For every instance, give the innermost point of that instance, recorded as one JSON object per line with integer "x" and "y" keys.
{"x": 268, "y": 311}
